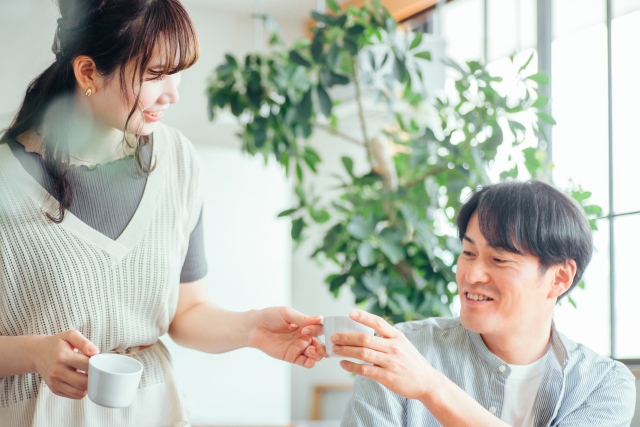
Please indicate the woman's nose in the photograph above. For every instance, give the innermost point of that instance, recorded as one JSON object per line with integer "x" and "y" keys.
{"x": 171, "y": 95}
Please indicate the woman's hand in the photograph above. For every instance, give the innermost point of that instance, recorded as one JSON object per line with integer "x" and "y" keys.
{"x": 57, "y": 362}
{"x": 288, "y": 335}
{"x": 397, "y": 364}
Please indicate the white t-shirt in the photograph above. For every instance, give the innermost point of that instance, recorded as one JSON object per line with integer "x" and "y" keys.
{"x": 520, "y": 393}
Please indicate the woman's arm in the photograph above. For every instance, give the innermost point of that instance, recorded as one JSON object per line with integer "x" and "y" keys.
{"x": 281, "y": 332}
{"x": 17, "y": 355}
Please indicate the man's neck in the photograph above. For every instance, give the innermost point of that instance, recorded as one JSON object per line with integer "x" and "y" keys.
{"x": 520, "y": 347}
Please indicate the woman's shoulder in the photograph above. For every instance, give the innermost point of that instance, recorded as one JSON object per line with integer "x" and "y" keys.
{"x": 168, "y": 138}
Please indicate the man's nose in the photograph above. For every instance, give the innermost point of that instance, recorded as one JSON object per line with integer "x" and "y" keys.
{"x": 477, "y": 272}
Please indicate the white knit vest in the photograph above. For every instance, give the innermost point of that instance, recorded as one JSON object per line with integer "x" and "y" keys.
{"x": 118, "y": 294}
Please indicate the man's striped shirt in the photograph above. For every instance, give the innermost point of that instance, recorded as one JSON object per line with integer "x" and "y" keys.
{"x": 579, "y": 388}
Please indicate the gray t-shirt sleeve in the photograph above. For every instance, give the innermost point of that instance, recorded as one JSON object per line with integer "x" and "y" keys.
{"x": 195, "y": 264}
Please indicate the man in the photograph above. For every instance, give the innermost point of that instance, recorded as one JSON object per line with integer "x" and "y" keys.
{"x": 502, "y": 362}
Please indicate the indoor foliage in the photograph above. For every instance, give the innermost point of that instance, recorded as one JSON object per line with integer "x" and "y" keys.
{"x": 390, "y": 231}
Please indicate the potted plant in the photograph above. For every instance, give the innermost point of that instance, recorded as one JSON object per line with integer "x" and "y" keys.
{"x": 390, "y": 231}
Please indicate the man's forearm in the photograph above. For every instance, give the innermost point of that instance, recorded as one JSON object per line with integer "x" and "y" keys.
{"x": 452, "y": 407}
{"x": 211, "y": 329}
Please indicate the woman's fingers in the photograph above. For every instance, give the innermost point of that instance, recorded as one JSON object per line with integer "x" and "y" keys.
{"x": 314, "y": 330}
{"x": 76, "y": 379}
{"x": 312, "y": 353}
{"x": 322, "y": 350}
{"x": 66, "y": 390}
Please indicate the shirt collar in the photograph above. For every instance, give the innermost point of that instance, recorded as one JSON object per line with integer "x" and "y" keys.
{"x": 557, "y": 347}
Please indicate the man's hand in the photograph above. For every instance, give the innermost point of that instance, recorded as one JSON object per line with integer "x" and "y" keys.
{"x": 397, "y": 364}
{"x": 288, "y": 335}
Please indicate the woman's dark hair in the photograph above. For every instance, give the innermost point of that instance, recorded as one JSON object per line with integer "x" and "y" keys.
{"x": 113, "y": 33}
{"x": 531, "y": 218}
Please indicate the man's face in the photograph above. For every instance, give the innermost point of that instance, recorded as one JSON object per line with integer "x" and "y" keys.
{"x": 501, "y": 291}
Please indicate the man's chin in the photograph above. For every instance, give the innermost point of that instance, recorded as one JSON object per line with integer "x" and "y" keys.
{"x": 474, "y": 322}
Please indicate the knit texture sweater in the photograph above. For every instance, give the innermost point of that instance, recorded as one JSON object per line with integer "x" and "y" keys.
{"x": 118, "y": 293}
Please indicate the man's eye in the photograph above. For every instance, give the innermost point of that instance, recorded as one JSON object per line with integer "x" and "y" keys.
{"x": 467, "y": 253}
{"x": 499, "y": 261}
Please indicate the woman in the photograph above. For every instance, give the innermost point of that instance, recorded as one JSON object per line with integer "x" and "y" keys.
{"x": 101, "y": 226}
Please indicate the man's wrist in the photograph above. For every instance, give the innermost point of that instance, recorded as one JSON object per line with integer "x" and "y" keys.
{"x": 434, "y": 385}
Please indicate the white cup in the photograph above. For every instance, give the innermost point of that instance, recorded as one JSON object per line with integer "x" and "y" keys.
{"x": 113, "y": 380}
{"x": 334, "y": 324}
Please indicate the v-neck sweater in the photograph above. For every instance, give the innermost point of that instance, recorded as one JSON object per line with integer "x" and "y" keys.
{"x": 117, "y": 293}
{"x": 107, "y": 196}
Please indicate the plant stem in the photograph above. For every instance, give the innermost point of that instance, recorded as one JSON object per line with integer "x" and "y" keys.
{"x": 422, "y": 177}
{"x": 336, "y": 132}
{"x": 363, "y": 124}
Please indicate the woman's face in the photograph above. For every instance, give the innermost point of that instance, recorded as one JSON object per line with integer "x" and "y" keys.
{"x": 112, "y": 107}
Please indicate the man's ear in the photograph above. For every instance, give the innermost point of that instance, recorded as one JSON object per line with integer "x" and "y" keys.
{"x": 87, "y": 74}
{"x": 563, "y": 278}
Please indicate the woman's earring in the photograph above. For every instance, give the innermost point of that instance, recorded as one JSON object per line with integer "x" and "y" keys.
{"x": 88, "y": 93}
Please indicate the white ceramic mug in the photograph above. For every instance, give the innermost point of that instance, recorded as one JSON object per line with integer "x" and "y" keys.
{"x": 113, "y": 380}
{"x": 333, "y": 324}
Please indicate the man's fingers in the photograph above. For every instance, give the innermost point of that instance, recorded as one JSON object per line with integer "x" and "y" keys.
{"x": 77, "y": 340}
{"x": 361, "y": 340}
{"x": 361, "y": 353}
{"x": 373, "y": 372}
{"x": 376, "y": 322}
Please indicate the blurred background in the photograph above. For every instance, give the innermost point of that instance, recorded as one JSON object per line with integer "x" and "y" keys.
{"x": 588, "y": 48}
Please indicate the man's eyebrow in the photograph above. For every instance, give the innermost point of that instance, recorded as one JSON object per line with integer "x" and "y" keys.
{"x": 469, "y": 239}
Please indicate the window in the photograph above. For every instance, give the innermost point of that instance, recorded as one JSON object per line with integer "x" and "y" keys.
{"x": 589, "y": 85}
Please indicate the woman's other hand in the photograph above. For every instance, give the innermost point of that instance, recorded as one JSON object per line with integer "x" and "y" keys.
{"x": 288, "y": 335}
{"x": 58, "y": 362}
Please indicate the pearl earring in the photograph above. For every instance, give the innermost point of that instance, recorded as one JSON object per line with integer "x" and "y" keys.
{"x": 88, "y": 93}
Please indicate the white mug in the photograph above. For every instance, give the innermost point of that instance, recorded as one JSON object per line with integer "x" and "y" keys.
{"x": 333, "y": 324}
{"x": 113, "y": 380}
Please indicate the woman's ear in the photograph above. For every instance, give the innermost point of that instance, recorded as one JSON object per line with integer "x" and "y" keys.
{"x": 563, "y": 278}
{"x": 87, "y": 74}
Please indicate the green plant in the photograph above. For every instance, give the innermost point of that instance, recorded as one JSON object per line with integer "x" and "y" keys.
{"x": 391, "y": 230}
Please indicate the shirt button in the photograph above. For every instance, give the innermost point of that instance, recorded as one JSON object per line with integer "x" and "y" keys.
{"x": 502, "y": 368}
{"x": 492, "y": 409}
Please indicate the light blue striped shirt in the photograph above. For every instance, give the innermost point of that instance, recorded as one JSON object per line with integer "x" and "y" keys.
{"x": 579, "y": 387}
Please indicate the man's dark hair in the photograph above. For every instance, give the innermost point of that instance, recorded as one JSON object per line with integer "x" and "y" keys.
{"x": 531, "y": 218}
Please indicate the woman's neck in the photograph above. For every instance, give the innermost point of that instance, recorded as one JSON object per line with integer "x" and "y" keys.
{"x": 101, "y": 145}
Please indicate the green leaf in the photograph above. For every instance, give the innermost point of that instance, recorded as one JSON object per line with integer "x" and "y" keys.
{"x": 374, "y": 282}
{"x": 320, "y": 216}
{"x": 541, "y": 102}
{"x": 303, "y": 111}
{"x": 348, "y": 165}
{"x": 317, "y": 47}
{"x": 526, "y": 64}
{"x": 296, "y": 228}
{"x": 366, "y": 254}
{"x": 540, "y": 78}
{"x": 325, "y": 19}
{"x": 399, "y": 69}
{"x": 351, "y": 46}
{"x": 333, "y": 56}
{"x": 531, "y": 160}
{"x": 231, "y": 60}
{"x": 296, "y": 58}
{"x": 333, "y": 5}
{"x": 299, "y": 173}
{"x": 356, "y": 30}
{"x": 546, "y": 118}
{"x": 593, "y": 210}
{"x": 336, "y": 281}
{"x": 287, "y": 212}
{"x": 416, "y": 41}
{"x": 338, "y": 79}
{"x": 311, "y": 158}
{"x": 359, "y": 227}
{"x": 325, "y": 100}
{"x": 423, "y": 55}
{"x": 389, "y": 245}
